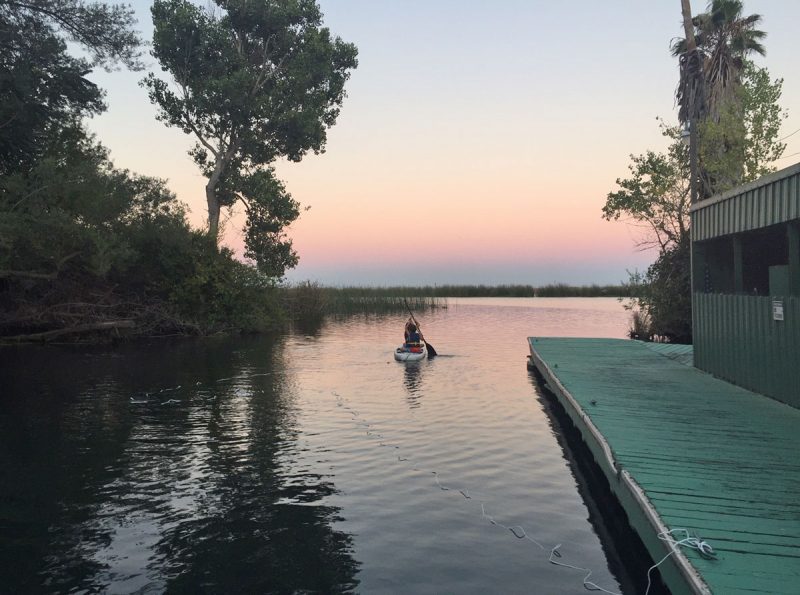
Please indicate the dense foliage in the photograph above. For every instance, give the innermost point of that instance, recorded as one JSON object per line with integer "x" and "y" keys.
{"x": 713, "y": 68}
{"x": 87, "y": 248}
{"x": 738, "y": 119}
{"x": 741, "y": 144}
{"x": 253, "y": 81}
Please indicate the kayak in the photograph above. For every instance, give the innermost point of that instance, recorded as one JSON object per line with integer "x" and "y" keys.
{"x": 414, "y": 354}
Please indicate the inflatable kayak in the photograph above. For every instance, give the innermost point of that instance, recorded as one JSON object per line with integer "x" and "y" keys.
{"x": 410, "y": 354}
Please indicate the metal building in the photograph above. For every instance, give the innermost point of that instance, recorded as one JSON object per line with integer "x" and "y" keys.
{"x": 746, "y": 285}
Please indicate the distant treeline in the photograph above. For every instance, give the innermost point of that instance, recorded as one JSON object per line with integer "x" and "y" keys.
{"x": 445, "y": 291}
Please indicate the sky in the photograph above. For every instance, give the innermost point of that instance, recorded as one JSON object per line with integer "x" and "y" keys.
{"x": 477, "y": 142}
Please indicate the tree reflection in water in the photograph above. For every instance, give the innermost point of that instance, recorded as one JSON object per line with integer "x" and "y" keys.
{"x": 205, "y": 487}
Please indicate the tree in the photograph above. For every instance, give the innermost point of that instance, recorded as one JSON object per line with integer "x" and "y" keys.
{"x": 742, "y": 144}
{"x": 724, "y": 38}
{"x": 656, "y": 196}
{"x": 259, "y": 80}
{"x": 690, "y": 94}
{"x": 43, "y": 87}
{"x": 87, "y": 248}
{"x": 663, "y": 295}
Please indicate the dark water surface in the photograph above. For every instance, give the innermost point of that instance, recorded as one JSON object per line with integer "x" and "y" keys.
{"x": 298, "y": 463}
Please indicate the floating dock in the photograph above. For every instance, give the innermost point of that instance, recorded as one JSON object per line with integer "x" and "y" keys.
{"x": 684, "y": 450}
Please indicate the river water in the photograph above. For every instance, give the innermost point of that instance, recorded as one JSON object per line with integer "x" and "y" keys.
{"x": 300, "y": 463}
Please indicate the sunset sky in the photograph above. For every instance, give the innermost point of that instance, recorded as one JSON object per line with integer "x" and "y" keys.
{"x": 478, "y": 140}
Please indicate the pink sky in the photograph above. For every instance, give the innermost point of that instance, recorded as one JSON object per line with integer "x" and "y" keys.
{"x": 477, "y": 144}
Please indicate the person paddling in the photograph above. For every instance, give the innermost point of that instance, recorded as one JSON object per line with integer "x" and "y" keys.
{"x": 412, "y": 322}
{"x": 411, "y": 334}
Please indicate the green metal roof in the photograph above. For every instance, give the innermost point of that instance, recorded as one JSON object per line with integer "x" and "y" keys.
{"x": 772, "y": 199}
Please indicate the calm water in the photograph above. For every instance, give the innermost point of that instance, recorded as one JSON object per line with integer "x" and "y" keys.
{"x": 299, "y": 463}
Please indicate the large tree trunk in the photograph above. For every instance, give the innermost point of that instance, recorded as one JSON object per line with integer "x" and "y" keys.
{"x": 213, "y": 207}
{"x": 223, "y": 161}
{"x": 692, "y": 92}
{"x": 688, "y": 27}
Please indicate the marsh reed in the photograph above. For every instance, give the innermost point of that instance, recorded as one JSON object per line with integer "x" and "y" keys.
{"x": 310, "y": 301}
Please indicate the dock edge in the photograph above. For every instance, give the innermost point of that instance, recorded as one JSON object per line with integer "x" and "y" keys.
{"x": 621, "y": 482}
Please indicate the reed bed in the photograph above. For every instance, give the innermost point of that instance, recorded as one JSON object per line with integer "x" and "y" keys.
{"x": 594, "y": 290}
{"x": 310, "y": 301}
{"x": 445, "y": 291}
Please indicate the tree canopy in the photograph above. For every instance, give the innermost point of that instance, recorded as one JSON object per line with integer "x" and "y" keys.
{"x": 42, "y": 86}
{"x": 656, "y": 194}
{"x": 742, "y": 143}
{"x": 713, "y": 60}
{"x": 252, "y": 81}
{"x": 725, "y": 38}
{"x": 86, "y": 247}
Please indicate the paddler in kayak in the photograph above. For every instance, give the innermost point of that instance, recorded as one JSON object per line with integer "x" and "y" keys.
{"x": 411, "y": 334}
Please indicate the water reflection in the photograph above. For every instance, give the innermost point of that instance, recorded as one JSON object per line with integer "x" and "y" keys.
{"x": 205, "y": 487}
{"x": 311, "y": 327}
{"x": 293, "y": 464}
{"x": 412, "y": 381}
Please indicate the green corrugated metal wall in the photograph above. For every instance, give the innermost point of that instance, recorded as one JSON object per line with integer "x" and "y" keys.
{"x": 736, "y": 338}
{"x": 773, "y": 199}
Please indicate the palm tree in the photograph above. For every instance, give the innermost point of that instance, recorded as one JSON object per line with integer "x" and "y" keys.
{"x": 690, "y": 94}
{"x": 724, "y": 38}
{"x": 712, "y": 59}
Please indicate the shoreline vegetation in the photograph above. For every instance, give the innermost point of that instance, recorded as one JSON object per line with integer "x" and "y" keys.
{"x": 310, "y": 301}
{"x": 92, "y": 253}
{"x": 263, "y": 307}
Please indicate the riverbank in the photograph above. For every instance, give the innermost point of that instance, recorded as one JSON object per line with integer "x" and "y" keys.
{"x": 220, "y": 295}
{"x": 231, "y": 298}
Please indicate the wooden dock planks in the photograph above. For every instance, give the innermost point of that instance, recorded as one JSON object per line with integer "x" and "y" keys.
{"x": 708, "y": 456}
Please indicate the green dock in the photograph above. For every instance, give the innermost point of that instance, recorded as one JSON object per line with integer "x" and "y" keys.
{"x": 684, "y": 450}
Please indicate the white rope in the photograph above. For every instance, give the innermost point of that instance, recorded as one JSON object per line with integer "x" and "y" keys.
{"x": 517, "y": 531}
{"x": 690, "y": 541}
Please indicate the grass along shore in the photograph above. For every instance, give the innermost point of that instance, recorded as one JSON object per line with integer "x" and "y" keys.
{"x": 310, "y": 300}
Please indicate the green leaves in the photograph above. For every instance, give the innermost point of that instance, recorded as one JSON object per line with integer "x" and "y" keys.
{"x": 656, "y": 195}
{"x": 42, "y": 87}
{"x": 742, "y": 144}
{"x": 269, "y": 210}
{"x": 664, "y": 295}
{"x": 260, "y": 79}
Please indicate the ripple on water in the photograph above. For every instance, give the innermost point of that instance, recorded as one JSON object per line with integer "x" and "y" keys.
{"x": 300, "y": 463}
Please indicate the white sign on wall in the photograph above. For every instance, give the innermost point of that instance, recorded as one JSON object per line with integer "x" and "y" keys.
{"x": 777, "y": 309}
